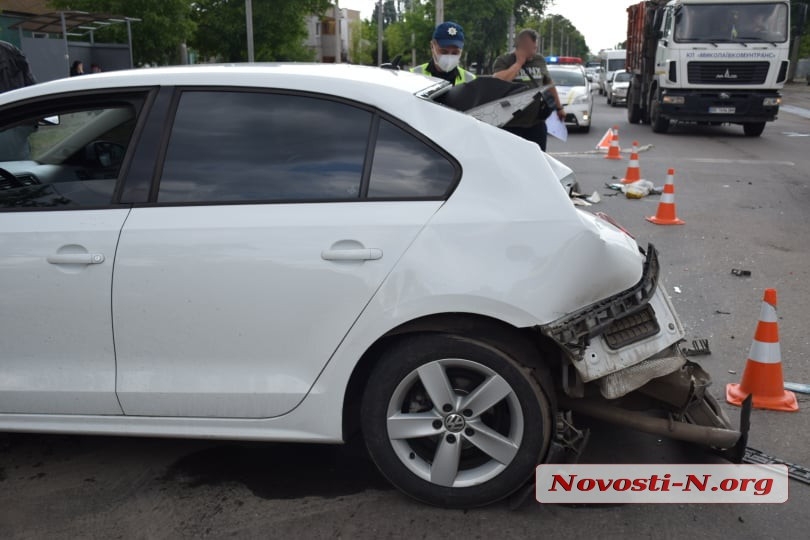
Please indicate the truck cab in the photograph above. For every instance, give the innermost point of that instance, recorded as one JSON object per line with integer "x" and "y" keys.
{"x": 707, "y": 61}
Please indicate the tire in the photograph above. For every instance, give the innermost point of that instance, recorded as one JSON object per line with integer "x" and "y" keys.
{"x": 753, "y": 129}
{"x": 660, "y": 124}
{"x": 406, "y": 430}
{"x": 585, "y": 129}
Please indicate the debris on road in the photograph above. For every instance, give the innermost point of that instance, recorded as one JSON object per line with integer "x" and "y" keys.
{"x": 719, "y": 312}
{"x": 638, "y": 190}
{"x": 741, "y": 273}
{"x": 700, "y": 347}
{"x": 796, "y": 472}
{"x": 677, "y": 290}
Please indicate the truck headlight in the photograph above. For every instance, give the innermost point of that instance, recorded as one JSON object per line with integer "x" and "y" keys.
{"x": 674, "y": 100}
{"x": 771, "y": 102}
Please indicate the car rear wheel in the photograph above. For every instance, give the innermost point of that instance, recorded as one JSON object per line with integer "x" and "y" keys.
{"x": 455, "y": 422}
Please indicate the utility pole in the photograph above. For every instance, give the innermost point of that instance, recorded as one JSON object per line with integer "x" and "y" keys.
{"x": 551, "y": 37}
{"x": 439, "y": 12}
{"x": 379, "y": 32}
{"x": 249, "y": 24}
{"x": 510, "y": 33}
{"x": 338, "y": 43}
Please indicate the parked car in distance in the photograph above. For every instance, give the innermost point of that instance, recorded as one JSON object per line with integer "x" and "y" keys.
{"x": 303, "y": 252}
{"x": 619, "y": 86}
{"x": 575, "y": 95}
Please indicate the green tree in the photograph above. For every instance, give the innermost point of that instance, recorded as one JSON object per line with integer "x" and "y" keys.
{"x": 363, "y": 44}
{"x": 165, "y": 24}
{"x": 278, "y": 29}
{"x": 414, "y": 29}
{"x": 559, "y": 37}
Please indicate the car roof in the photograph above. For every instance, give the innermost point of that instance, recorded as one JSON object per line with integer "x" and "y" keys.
{"x": 335, "y": 79}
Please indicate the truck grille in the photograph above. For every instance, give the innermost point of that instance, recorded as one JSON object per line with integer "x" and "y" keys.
{"x": 632, "y": 328}
{"x": 725, "y": 73}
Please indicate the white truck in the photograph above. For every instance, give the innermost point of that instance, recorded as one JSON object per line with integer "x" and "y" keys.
{"x": 707, "y": 61}
{"x": 610, "y": 61}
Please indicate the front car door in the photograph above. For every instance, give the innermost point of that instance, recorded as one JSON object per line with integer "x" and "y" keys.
{"x": 60, "y": 161}
{"x": 276, "y": 219}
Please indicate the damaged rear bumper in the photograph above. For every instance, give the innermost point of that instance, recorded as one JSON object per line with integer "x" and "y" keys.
{"x": 625, "y": 340}
{"x": 627, "y": 347}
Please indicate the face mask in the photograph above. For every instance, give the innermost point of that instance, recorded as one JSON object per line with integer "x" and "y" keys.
{"x": 447, "y": 62}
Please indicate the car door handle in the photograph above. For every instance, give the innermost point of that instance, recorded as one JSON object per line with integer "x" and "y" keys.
{"x": 76, "y": 258}
{"x": 361, "y": 254}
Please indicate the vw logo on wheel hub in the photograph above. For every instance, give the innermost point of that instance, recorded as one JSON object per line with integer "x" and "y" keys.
{"x": 454, "y": 422}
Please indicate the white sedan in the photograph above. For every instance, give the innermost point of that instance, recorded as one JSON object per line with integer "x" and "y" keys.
{"x": 304, "y": 252}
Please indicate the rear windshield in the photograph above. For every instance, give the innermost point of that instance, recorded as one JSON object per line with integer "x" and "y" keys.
{"x": 621, "y": 77}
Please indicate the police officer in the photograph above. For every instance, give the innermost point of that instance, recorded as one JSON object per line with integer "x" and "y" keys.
{"x": 522, "y": 66}
{"x": 446, "y": 47}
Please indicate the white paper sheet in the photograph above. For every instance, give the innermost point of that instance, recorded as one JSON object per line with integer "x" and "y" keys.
{"x": 556, "y": 128}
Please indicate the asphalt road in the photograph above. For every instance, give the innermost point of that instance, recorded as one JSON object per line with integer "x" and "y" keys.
{"x": 745, "y": 202}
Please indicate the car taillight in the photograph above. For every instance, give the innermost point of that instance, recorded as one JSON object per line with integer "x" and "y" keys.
{"x": 615, "y": 223}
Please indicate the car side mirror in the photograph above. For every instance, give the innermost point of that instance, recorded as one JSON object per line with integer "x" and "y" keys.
{"x": 49, "y": 121}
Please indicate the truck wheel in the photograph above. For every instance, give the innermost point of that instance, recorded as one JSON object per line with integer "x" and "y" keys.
{"x": 753, "y": 129}
{"x": 660, "y": 124}
{"x": 633, "y": 113}
{"x": 455, "y": 422}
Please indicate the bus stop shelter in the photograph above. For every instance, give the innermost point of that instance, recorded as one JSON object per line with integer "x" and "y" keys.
{"x": 46, "y": 42}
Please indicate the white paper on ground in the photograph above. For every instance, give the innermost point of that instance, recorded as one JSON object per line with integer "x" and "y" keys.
{"x": 556, "y": 128}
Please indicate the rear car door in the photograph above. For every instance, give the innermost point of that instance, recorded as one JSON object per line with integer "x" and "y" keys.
{"x": 273, "y": 220}
{"x": 60, "y": 160}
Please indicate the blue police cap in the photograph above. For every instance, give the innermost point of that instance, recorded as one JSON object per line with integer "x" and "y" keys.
{"x": 449, "y": 34}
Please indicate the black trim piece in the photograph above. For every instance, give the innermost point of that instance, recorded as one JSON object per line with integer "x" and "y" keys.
{"x": 160, "y": 156}
{"x": 134, "y": 141}
{"x": 368, "y": 164}
{"x": 573, "y": 332}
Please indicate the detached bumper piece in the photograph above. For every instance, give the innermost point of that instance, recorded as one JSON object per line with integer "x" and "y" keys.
{"x": 622, "y": 316}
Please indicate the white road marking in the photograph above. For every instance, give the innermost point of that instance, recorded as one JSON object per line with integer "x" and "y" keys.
{"x": 741, "y": 161}
{"x": 799, "y": 111}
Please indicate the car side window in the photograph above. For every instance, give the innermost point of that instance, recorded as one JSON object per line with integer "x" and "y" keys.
{"x": 407, "y": 167}
{"x": 230, "y": 146}
{"x": 64, "y": 159}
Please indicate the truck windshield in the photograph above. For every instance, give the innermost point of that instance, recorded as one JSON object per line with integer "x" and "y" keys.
{"x": 732, "y": 23}
{"x": 615, "y": 64}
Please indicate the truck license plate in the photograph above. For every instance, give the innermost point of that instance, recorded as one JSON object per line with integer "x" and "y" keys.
{"x": 722, "y": 110}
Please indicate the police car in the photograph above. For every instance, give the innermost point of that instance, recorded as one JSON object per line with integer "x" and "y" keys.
{"x": 574, "y": 90}
{"x": 306, "y": 252}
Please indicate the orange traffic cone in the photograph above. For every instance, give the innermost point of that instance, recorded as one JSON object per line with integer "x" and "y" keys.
{"x": 614, "y": 150}
{"x": 666, "y": 208}
{"x": 604, "y": 143}
{"x": 633, "y": 173}
{"x": 762, "y": 377}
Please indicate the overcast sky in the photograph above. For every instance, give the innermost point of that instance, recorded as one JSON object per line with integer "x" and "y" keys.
{"x": 602, "y": 22}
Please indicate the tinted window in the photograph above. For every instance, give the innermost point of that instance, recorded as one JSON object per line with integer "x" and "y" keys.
{"x": 243, "y": 146}
{"x": 65, "y": 158}
{"x": 406, "y": 167}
